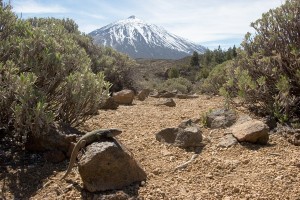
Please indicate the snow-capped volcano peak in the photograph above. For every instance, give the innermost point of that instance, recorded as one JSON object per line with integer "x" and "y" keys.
{"x": 141, "y": 40}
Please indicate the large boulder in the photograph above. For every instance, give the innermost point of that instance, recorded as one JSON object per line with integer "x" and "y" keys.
{"x": 124, "y": 97}
{"x": 221, "y": 118}
{"x": 252, "y": 130}
{"x": 186, "y": 135}
{"x": 107, "y": 165}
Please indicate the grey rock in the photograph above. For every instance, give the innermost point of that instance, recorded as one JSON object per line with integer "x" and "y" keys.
{"x": 167, "y": 135}
{"x": 106, "y": 166}
{"x": 124, "y": 97}
{"x": 221, "y": 118}
{"x": 227, "y": 141}
{"x": 186, "y": 135}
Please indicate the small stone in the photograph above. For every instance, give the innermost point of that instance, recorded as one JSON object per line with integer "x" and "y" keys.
{"x": 143, "y": 183}
{"x": 209, "y": 175}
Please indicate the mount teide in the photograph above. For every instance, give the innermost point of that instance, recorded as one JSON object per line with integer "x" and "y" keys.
{"x": 141, "y": 40}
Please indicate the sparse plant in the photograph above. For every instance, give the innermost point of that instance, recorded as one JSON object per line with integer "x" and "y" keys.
{"x": 203, "y": 119}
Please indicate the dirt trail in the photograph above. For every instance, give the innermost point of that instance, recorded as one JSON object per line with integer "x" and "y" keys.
{"x": 241, "y": 172}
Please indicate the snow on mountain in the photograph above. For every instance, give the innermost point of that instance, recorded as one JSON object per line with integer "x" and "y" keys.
{"x": 141, "y": 40}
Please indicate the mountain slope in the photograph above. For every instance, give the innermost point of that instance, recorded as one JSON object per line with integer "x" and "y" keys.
{"x": 141, "y": 40}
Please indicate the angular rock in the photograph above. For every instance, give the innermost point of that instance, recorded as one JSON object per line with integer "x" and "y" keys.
{"x": 167, "y": 135}
{"x": 106, "y": 166}
{"x": 253, "y": 131}
{"x": 186, "y": 135}
{"x": 227, "y": 141}
{"x": 124, "y": 97}
{"x": 221, "y": 118}
{"x": 109, "y": 104}
{"x": 143, "y": 94}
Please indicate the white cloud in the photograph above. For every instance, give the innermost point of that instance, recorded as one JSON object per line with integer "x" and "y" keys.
{"x": 87, "y": 28}
{"x": 32, "y": 7}
{"x": 207, "y": 19}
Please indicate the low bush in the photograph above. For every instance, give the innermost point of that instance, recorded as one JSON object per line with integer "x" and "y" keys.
{"x": 183, "y": 85}
{"x": 45, "y": 75}
{"x": 217, "y": 78}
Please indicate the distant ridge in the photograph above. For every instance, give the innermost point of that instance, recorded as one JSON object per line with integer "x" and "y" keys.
{"x": 141, "y": 40}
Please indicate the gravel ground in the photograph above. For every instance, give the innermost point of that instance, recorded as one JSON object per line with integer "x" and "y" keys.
{"x": 244, "y": 171}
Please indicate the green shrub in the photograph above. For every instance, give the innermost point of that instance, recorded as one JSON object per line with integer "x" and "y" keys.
{"x": 45, "y": 75}
{"x": 173, "y": 72}
{"x": 217, "y": 78}
{"x": 183, "y": 85}
{"x": 269, "y": 65}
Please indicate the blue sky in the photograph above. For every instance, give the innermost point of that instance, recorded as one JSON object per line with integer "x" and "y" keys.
{"x": 207, "y": 22}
